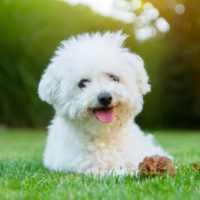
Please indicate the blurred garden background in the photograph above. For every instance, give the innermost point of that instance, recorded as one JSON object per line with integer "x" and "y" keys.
{"x": 168, "y": 41}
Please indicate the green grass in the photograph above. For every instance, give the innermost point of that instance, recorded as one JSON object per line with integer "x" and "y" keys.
{"x": 22, "y": 175}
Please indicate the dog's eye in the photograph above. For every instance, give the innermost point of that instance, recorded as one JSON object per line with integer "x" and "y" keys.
{"x": 83, "y": 83}
{"x": 114, "y": 77}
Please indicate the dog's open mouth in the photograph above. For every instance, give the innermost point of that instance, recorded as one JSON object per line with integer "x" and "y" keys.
{"x": 105, "y": 115}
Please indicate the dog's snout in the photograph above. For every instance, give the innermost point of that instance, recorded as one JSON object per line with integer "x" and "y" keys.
{"x": 105, "y": 98}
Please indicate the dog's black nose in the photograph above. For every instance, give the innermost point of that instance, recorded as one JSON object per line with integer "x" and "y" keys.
{"x": 105, "y": 98}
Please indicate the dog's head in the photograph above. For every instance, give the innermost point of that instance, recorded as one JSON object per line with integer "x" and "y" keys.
{"x": 93, "y": 78}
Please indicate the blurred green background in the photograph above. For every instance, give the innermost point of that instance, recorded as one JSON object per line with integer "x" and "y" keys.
{"x": 31, "y": 30}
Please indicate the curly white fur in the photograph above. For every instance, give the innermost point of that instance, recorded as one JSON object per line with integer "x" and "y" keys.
{"x": 77, "y": 141}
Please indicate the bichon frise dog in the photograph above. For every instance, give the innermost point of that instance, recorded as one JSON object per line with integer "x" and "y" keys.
{"x": 96, "y": 87}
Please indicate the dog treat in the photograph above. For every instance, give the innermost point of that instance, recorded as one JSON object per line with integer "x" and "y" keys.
{"x": 156, "y": 165}
{"x": 197, "y": 167}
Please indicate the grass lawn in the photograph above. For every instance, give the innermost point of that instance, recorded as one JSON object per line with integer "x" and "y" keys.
{"x": 22, "y": 175}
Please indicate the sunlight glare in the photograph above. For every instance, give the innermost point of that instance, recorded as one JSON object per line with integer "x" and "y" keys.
{"x": 180, "y": 9}
{"x": 145, "y": 33}
{"x": 117, "y": 9}
{"x": 162, "y": 25}
{"x": 144, "y": 17}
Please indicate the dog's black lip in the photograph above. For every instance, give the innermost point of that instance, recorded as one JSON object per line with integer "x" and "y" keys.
{"x": 101, "y": 108}
{"x": 104, "y": 107}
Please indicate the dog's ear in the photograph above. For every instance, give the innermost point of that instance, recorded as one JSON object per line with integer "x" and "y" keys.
{"x": 142, "y": 78}
{"x": 49, "y": 85}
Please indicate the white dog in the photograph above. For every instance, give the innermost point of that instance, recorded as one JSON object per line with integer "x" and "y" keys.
{"x": 96, "y": 86}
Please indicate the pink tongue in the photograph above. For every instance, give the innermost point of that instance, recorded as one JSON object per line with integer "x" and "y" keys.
{"x": 105, "y": 115}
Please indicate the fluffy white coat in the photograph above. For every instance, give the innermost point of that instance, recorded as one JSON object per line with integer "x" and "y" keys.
{"x": 77, "y": 141}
